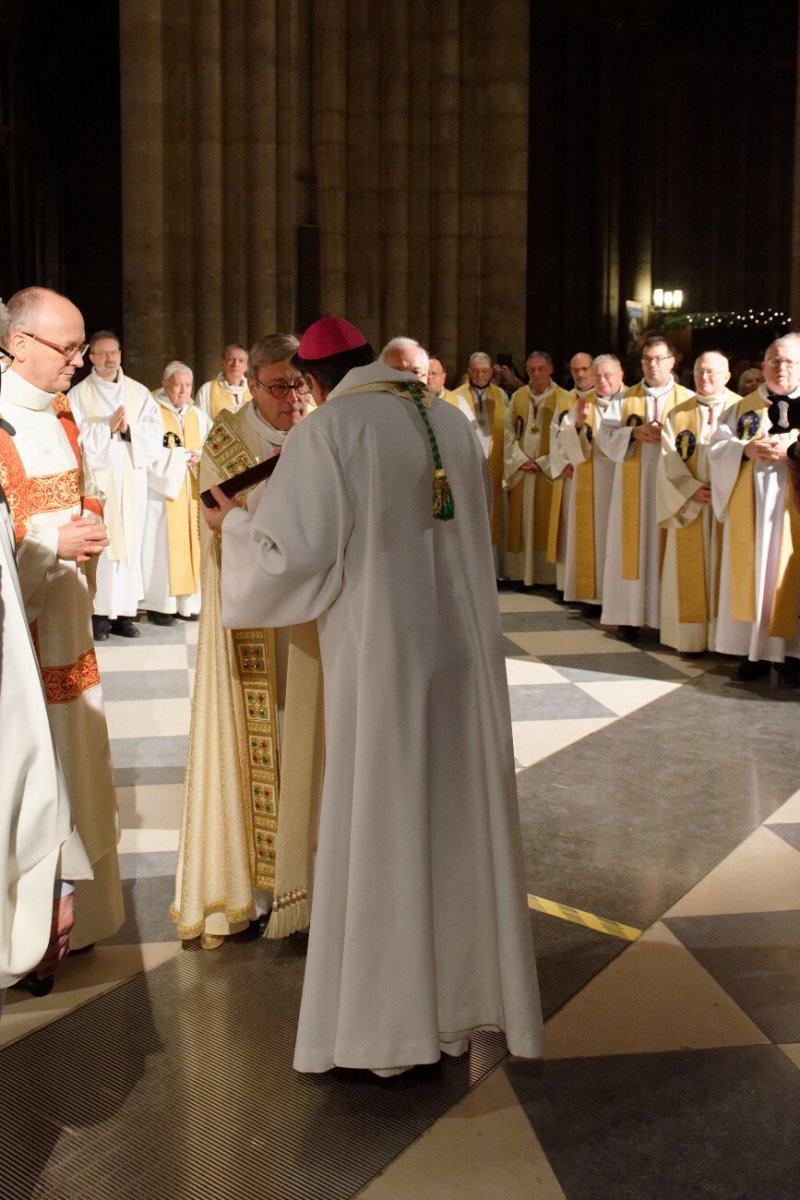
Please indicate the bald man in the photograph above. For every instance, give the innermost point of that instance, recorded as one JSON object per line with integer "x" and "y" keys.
{"x": 684, "y": 508}
{"x": 59, "y": 534}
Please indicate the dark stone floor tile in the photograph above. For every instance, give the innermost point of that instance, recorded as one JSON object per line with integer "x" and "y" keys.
{"x": 537, "y": 622}
{"x": 789, "y": 832}
{"x": 603, "y": 668}
{"x": 145, "y": 685}
{"x": 147, "y": 902}
{"x": 131, "y": 776}
{"x": 553, "y": 702}
{"x": 699, "y": 1125}
{"x": 150, "y": 752}
{"x": 755, "y": 957}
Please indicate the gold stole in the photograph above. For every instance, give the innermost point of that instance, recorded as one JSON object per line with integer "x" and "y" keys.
{"x": 184, "y": 554}
{"x": 557, "y": 491}
{"x": 742, "y": 541}
{"x": 583, "y": 499}
{"x": 254, "y": 657}
{"x": 635, "y": 405}
{"x": 520, "y": 408}
{"x": 689, "y": 548}
{"x": 221, "y": 399}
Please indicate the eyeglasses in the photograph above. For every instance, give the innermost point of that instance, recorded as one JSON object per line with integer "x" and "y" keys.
{"x": 281, "y": 390}
{"x": 6, "y": 360}
{"x": 708, "y": 371}
{"x": 782, "y": 362}
{"x": 69, "y": 352}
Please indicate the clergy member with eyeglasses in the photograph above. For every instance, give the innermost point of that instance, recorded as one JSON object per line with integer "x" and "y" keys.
{"x": 59, "y": 535}
{"x": 256, "y": 732}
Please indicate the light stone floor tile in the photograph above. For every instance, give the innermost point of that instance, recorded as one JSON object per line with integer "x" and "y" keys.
{"x": 535, "y": 740}
{"x": 482, "y": 1149}
{"x": 760, "y": 875}
{"x": 550, "y": 643}
{"x": 146, "y": 841}
{"x": 788, "y": 813}
{"x": 624, "y": 696}
{"x": 792, "y": 1052}
{"x": 520, "y": 671}
{"x": 82, "y": 978}
{"x": 517, "y": 602}
{"x": 653, "y": 997}
{"x": 141, "y": 658}
{"x": 148, "y": 718}
{"x": 192, "y": 632}
{"x": 150, "y": 806}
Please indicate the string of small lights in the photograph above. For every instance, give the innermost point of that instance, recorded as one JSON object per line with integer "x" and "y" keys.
{"x": 770, "y": 318}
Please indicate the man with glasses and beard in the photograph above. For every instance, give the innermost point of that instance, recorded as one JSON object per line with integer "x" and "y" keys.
{"x": 257, "y": 694}
{"x": 59, "y": 536}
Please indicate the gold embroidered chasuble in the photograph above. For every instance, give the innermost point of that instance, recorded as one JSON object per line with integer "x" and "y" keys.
{"x": 583, "y": 504}
{"x": 752, "y": 422}
{"x": 236, "y": 835}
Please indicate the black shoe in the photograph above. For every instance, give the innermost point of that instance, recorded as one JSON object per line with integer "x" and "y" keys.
{"x": 747, "y": 671}
{"x": 628, "y": 633}
{"x": 157, "y": 618}
{"x": 101, "y": 628}
{"x": 33, "y": 984}
{"x": 789, "y": 673}
{"x": 124, "y": 627}
{"x": 191, "y": 617}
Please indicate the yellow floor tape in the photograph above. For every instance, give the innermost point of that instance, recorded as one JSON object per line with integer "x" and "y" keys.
{"x": 578, "y": 917}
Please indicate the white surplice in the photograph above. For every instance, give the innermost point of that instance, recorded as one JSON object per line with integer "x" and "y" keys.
{"x": 35, "y": 822}
{"x": 770, "y": 480}
{"x": 167, "y": 476}
{"x": 57, "y": 595}
{"x": 419, "y": 929}
{"x": 119, "y": 466}
{"x": 576, "y": 447}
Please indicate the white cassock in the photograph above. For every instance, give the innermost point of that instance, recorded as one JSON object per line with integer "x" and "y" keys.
{"x": 35, "y": 822}
{"x": 168, "y": 476}
{"x": 632, "y": 601}
{"x": 57, "y": 595}
{"x": 419, "y": 930}
{"x": 677, "y": 509}
{"x": 577, "y": 448}
{"x": 770, "y": 480}
{"x": 119, "y": 466}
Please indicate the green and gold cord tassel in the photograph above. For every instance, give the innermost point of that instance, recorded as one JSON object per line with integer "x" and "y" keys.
{"x": 443, "y": 504}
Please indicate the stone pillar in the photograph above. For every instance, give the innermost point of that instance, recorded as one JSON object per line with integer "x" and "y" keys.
{"x": 398, "y": 132}
{"x": 794, "y": 280}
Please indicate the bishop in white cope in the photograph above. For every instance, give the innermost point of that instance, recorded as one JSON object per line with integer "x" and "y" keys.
{"x": 420, "y": 932}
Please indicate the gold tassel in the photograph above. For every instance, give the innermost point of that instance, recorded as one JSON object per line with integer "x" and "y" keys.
{"x": 443, "y": 503}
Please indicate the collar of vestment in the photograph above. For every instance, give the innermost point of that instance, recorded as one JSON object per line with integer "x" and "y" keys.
{"x": 166, "y": 403}
{"x": 17, "y": 390}
{"x": 658, "y": 392}
{"x": 763, "y": 391}
{"x": 537, "y": 396}
{"x": 710, "y": 401}
{"x": 377, "y": 377}
{"x": 108, "y": 387}
{"x": 264, "y": 428}
{"x": 236, "y": 389}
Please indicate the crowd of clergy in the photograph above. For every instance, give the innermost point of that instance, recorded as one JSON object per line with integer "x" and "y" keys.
{"x": 655, "y": 505}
